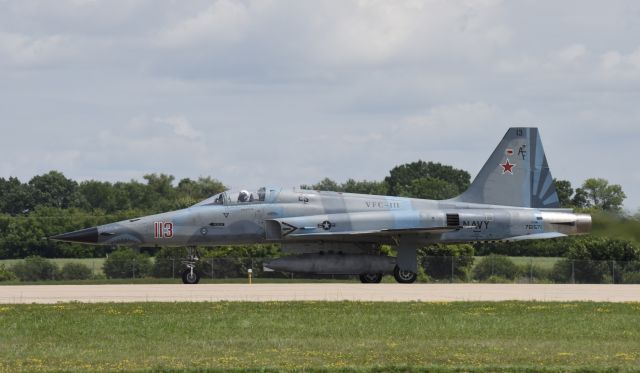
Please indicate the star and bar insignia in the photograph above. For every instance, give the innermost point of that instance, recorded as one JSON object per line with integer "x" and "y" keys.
{"x": 326, "y": 225}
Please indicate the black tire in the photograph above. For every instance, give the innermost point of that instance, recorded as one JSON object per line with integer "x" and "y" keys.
{"x": 371, "y": 278}
{"x": 404, "y": 277}
{"x": 188, "y": 278}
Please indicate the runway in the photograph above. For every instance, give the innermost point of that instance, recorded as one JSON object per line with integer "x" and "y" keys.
{"x": 316, "y": 292}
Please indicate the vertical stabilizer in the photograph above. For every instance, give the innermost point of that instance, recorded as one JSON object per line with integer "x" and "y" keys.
{"x": 516, "y": 174}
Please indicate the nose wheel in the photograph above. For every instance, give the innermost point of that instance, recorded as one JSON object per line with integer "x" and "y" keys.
{"x": 190, "y": 275}
{"x": 404, "y": 277}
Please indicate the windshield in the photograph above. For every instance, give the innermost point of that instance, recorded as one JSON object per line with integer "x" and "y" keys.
{"x": 233, "y": 197}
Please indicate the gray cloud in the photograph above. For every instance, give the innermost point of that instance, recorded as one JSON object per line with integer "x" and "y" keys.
{"x": 288, "y": 92}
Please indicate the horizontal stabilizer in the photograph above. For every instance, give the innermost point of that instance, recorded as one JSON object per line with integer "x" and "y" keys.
{"x": 536, "y": 236}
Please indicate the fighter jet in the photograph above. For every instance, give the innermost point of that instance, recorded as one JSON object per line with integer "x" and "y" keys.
{"x": 513, "y": 198}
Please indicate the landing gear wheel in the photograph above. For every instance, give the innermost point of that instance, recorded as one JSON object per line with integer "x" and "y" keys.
{"x": 404, "y": 277}
{"x": 190, "y": 276}
{"x": 371, "y": 278}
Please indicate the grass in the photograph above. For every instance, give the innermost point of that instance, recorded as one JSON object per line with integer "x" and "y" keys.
{"x": 546, "y": 263}
{"x": 94, "y": 263}
{"x": 342, "y": 336}
{"x": 89, "y": 262}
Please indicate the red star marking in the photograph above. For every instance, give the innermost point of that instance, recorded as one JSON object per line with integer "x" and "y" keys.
{"x": 507, "y": 167}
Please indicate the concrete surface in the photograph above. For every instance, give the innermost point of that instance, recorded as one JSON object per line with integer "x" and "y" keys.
{"x": 317, "y": 292}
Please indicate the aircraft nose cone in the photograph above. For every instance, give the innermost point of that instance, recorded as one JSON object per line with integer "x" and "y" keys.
{"x": 89, "y": 235}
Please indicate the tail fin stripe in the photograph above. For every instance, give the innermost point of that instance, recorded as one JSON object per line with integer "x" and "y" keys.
{"x": 539, "y": 158}
{"x": 551, "y": 199}
{"x": 545, "y": 187}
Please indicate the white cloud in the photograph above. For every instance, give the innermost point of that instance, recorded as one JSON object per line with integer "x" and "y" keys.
{"x": 469, "y": 115}
{"x": 181, "y": 126}
{"x": 572, "y": 53}
{"x": 224, "y": 22}
{"x": 24, "y": 51}
{"x": 611, "y": 60}
{"x": 617, "y": 64}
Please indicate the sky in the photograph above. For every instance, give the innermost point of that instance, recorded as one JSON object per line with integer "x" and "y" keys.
{"x": 288, "y": 92}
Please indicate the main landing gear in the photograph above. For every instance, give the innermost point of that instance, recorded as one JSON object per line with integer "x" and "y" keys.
{"x": 404, "y": 277}
{"x": 371, "y": 278}
{"x": 190, "y": 275}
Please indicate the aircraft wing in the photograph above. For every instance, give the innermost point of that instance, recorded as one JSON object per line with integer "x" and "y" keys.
{"x": 357, "y": 226}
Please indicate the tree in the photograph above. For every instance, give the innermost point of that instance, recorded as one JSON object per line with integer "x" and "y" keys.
{"x": 325, "y": 184}
{"x": 446, "y": 262}
{"x": 580, "y": 199}
{"x": 565, "y": 191}
{"x": 161, "y": 184}
{"x": 15, "y": 197}
{"x": 53, "y": 189}
{"x": 401, "y": 178}
{"x": 133, "y": 195}
{"x": 189, "y": 191}
{"x": 430, "y": 188}
{"x": 35, "y": 268}
{"x": 126, "y": 263}
{"x": 350, "y": 186}
{"x": 364, "y": 187}
{"x": 600, "y": 194}
{"x": 598, "y": 260}
{"x": 75, "y": 271}
{"x": 98, "y": 195}
{"x": 495, "y": 265}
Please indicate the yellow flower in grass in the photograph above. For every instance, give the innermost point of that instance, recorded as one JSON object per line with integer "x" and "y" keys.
{"x": 565, "y": 354}
{"x": 625, "y": 356}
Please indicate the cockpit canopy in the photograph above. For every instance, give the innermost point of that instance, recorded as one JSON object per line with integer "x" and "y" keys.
{"x": 235, "y": 197}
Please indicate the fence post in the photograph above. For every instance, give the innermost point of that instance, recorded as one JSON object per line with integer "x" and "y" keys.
{"x": 173, "y": 268}
{"x": 613, "y": 271}
{"x": 531, "y": 270}
{"x": 211, "y": 266}
{"x": 452, "y": 268}
{"x": 573, "y": 271}
{"x": 491, "y": 264}
{"x": 133, "y": 269}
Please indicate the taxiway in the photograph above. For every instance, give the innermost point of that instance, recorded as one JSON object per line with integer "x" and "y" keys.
{"x": 25, "y": 294}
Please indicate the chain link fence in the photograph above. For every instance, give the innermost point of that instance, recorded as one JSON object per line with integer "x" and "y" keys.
{"x": 455, "y": 269}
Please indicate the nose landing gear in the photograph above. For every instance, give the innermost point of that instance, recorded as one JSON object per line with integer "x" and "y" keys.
{"x": 190, "y": 275}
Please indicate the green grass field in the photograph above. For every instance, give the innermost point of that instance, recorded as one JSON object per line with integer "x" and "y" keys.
{"x": 312, "y": 336}
{"x": 525, "y": 261}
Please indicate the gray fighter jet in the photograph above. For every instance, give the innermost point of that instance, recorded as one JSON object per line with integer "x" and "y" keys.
{"x": 512, "y": 198}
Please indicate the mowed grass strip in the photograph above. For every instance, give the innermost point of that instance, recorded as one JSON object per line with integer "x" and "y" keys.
{"x": 326, "y": 336}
